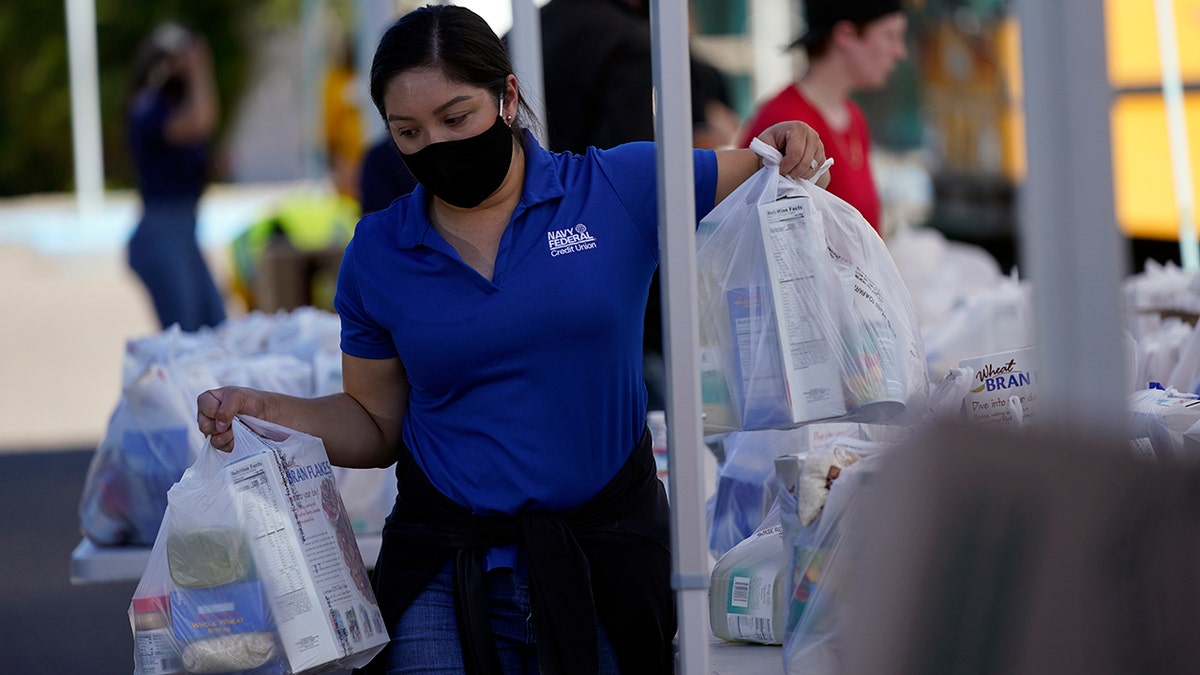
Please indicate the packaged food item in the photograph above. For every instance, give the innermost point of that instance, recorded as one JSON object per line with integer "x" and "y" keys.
{"x": 817, "y": 474}
{"x": 222, "y": 628}
{"x": 205, "y": 557}
{"x": 747, "y": 593}
{"x": 998, "y": 378}
{"x": 246, "y": 653}
{"x": 783, "y": 332}
{"x": 303, "y": 546}
{"x": 154, "y": 646}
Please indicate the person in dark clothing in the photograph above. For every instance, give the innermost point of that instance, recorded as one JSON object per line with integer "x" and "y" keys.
{"x": 488, "y": 352}
{"x": 714, "y": 121}
{"x": 171, "y": 117}
{"x": 596, "y": 60}
{"x": 599, "y": 81}
{"x": 383, "y": 177}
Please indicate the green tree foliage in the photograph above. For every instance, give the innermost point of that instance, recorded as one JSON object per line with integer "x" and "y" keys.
{"x": 35, "y": 98}
{"x": 35, "y": 121}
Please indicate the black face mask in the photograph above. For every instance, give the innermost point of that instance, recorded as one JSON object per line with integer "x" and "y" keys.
{"x": 465, "y": 172}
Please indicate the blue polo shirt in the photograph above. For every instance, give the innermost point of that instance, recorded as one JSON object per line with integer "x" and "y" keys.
{"x": 527, "y": 390}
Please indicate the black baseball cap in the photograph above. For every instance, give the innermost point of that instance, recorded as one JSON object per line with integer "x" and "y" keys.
{"x": 820, "y": 16}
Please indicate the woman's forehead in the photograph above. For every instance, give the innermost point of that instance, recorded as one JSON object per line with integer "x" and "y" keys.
{"x": 423, "y": 78}
{"x": 423, "y": 89}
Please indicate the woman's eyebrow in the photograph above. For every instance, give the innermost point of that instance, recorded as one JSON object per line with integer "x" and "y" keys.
{"x": 454, "y": 101}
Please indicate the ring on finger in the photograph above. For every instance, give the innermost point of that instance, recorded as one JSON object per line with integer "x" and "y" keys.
{"x": 814, "y": 164}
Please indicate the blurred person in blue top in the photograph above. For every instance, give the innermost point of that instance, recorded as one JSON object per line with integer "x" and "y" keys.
{"x": 492, "y": 350}
{"x": 171, "y": 118}
{"x": 384, "y": 176}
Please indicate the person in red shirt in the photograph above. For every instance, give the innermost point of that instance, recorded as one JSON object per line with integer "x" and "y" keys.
{"x": 851, "y": 45}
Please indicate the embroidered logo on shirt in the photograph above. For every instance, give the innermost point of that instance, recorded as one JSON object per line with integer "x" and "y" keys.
{"x": 575, "y": 239}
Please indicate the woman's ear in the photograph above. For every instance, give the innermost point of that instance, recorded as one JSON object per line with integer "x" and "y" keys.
{"x": 512, "y": 101}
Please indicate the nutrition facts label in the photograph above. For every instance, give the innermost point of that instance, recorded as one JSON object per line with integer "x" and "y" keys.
{"x": 803, "y": 322}
{"x": 289, "y": 509}
{"x": 279, "y": 563}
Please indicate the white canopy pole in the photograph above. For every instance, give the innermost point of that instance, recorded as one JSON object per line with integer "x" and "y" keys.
{"x": 1069, "y": 241}
{"x": 85, "y": 108}
{"x": 314, "y": 158}
{"x": 525, "y": 46}
{"x": 770, "y": 33}
{"x": 681, "y": 328}
{"x": 1181, "y": 163}
{"x": 372, "y": 19}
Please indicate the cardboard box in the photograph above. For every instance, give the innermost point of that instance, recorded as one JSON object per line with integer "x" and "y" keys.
{"x": 306, "y": 555}
{"x": 998, "y": 377}
{"x": 787, "y": 370}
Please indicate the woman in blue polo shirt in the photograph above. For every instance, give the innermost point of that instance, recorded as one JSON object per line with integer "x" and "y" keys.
{"x": 492, "y": 347}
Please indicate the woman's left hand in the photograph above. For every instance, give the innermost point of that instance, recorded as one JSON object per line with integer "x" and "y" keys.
{"x": 803, "y": 152}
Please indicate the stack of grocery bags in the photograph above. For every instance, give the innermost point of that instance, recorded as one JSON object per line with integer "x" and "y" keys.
{"x": 152, "y": 435}
{"x": 813, "y": 369}
{"x": 819, "y": 345}
{"x": 255, "y": 565}
{"x": 1161, "y": 307}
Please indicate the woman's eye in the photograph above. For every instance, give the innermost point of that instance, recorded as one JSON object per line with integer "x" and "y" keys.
{"x": 455, "y": 120}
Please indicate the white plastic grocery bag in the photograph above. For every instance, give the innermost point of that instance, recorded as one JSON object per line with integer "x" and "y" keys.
{"x": 150, "y": 440}
{"x": 199, "y": 606}
{"x": 256, "y": 568}
{"x": 823, "y": 556}
{"x": 803, "y": 314}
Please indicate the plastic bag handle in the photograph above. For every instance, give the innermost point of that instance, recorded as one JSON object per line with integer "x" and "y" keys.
{"x": 771, "y": 157}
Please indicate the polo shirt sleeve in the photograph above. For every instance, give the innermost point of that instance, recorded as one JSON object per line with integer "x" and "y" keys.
{"x": 632, "y": 170}
{"x": 362, "y": 336}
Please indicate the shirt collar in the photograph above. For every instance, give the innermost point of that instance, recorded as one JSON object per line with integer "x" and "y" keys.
{"x": 542, "y": 180}
{"x": 412, "y": 221}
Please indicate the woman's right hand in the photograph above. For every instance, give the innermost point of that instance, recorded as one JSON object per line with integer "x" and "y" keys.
{"x": 216, "y": 408}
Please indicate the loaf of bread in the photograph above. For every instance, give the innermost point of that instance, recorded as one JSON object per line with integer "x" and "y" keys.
{"x": 206, "y": 557}
{"x": 229, "y": 653}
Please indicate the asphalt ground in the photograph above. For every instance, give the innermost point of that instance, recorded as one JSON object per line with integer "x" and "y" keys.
{"x": 48, "y": 625}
